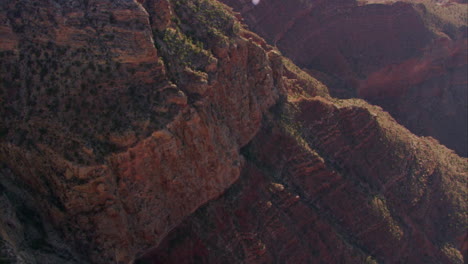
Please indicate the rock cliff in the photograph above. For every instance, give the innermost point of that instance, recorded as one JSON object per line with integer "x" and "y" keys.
{"x": 331, "y": 181}
{"x": 407, "y": 56}
{"x": 121, "y": 118}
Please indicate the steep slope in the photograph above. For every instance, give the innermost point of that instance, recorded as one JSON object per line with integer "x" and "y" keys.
{"x": 122, "y": 118}
{"x": 332, "y": 181}
{"x": 407, "y": 56}
{"x": 119, "y": 119}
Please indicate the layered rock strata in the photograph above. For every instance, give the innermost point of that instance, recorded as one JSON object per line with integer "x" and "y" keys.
{"x": 332, "y": 181}
{"x": 407, "y": 56}
{"x": 121, "y": 118}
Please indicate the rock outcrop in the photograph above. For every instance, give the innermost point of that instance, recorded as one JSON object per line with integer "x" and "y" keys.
{"x": 332, "y": 181}
{"x": 407, "y": 56}
{"x": 119, "y": 119}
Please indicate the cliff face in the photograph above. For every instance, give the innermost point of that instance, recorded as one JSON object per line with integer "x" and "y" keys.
{"x": 332, "y": 181}
{"x": 122, "y": 118}
{"x": 407, "y": 56}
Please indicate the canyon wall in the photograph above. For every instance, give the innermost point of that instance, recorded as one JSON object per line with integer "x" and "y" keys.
{"x": 121, "y": 118}
{"x": 407, "y": 56}
{"x": 165, "y": 131}
{"x": 331, "y": 181}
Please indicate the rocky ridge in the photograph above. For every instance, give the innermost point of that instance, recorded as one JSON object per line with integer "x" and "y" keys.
{"x": 333, "y": 181}
{"x": 118, "y": 124}
{"x": 407, "y": 56}
{"x": 122, "y": 118}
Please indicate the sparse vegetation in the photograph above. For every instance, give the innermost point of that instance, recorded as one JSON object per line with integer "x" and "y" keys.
{"x": 379, "y": 205}
{"x": 307, "y": 83}
{"x": 292, "y": 127}
{"x": 370, "y": 260}
{"x": 211, "y": 15}
{"x": 453, "y": 254}
{"x": 188, "y": 52}
{"x": 44, "y": 79}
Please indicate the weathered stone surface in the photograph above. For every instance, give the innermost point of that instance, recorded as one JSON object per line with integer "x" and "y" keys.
{"x": 119, "y": 119}
{"x": 115, "y": 139}
{"x": 333, "y": 182}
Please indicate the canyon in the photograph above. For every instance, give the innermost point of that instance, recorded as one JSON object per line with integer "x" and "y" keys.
{"x": 407, "y": 56}
{"x": 165, "y": 131}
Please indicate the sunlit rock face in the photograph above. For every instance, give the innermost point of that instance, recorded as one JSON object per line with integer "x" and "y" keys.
{"x": 407, "y": 56}
{"x": 331, "y": 182}
{"x": 120, "y": 119}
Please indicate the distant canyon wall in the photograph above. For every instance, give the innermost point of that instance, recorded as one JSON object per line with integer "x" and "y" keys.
{"x": 407, "y": 56}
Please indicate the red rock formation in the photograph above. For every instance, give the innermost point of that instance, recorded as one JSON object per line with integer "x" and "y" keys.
{"x": 122, "y": 118}
{"x": 407, "y": 56}
{"x": 119, "y": 139}
{"x": 321, "y": 184}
